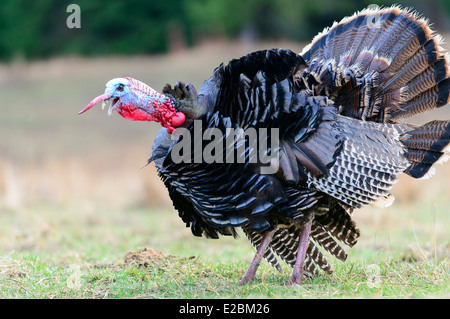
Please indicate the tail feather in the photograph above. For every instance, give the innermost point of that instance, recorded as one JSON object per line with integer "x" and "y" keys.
{"x": 415, "y": 34}
{"x": 384, "y": 65}
{"x": 428, "y": 100}
{"x": 286, "y": 243}
{"x": 323, "y": 238}
{"x": 396, "y": 24}
{"x": 435, "y": 73}
{"x": 427, "y": 145}
{"x": 413, "y": 66}
{"x": 338, "y": 222}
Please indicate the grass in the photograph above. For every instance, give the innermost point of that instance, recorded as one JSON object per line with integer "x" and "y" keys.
{"x": 78, "y": 207}
{"x": 107, "y": 258}
{"x": 194, "y": 278}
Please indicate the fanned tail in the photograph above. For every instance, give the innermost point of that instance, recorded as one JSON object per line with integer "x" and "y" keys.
{"x": 379, "y": 65}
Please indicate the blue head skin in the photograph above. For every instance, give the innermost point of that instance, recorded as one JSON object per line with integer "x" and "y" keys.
{"x": 136, "y": 101}
{"x": 116, "y": 90}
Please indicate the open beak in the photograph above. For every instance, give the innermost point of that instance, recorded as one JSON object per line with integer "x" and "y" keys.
{"x": 98, "y": 99}
{"x": 102, "y": 98}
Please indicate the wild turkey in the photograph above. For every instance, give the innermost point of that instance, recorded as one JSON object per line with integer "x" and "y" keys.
{"x": 336, "y": 108}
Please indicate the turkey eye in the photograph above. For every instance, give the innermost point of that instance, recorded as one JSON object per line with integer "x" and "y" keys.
{"x": 120, "y": 88}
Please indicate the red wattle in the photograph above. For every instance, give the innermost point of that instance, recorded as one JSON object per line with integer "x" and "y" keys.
{"x": 170, "y": 130}
{"x": 132, "y": 113}
{"x": 178, "y": 119}
{"x": 166, "y": 115}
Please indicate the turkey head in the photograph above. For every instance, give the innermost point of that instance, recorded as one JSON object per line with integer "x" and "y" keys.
{"x": 135, "y": 100}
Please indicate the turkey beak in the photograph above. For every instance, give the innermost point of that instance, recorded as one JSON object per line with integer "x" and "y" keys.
{"x": 98, "y": 99}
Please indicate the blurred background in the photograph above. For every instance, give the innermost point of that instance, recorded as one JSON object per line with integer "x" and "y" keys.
{"x": 36, "y": 30}
{"x": 59, "y": 168}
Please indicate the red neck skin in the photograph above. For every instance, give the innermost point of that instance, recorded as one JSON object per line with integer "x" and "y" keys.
{"x": 159, "y": 108}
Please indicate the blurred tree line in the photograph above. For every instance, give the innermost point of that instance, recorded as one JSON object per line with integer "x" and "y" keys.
{"x": 38, "y": 29}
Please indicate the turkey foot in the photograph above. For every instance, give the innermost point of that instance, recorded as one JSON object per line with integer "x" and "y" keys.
{"x": 251, "y": 271}
{"x": 297, "y": 273}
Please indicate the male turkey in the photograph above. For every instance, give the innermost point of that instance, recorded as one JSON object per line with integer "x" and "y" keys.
{"x": 339, "y": 143}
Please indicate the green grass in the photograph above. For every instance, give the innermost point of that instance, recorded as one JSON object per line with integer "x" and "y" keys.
{"x": 78, "y": 256}
{"x": 27, "y": 276}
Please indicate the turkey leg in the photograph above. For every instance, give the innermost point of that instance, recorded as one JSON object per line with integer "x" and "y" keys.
{"x": 297, "y": 273}
{"x": 250, "y": 274}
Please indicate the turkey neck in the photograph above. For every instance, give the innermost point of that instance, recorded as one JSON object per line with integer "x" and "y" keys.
{"x": 147, "y": 104}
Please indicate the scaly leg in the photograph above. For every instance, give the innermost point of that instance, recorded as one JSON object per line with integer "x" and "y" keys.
{"x": 297, "y": 273}
{"x": 250, "y": 274}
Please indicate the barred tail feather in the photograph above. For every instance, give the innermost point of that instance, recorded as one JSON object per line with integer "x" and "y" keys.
{"x": 386, "y": 65}
{"x": 327, "y": 229}
{"x": 427, "y": 145}
{"x": 285, "y": 243}
{"x": 338, "y": 222}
